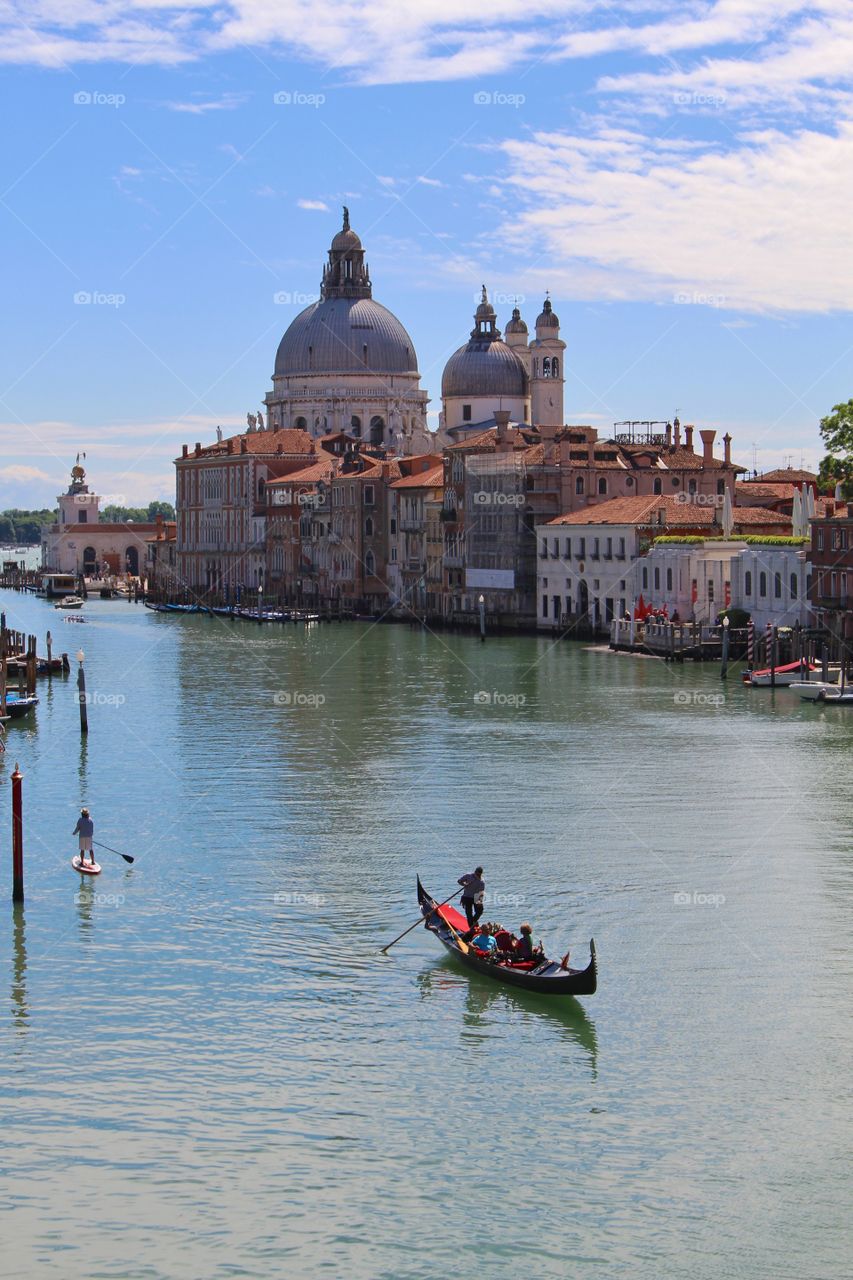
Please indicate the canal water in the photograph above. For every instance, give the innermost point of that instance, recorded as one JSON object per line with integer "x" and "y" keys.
{"x": 208, "y": 1070}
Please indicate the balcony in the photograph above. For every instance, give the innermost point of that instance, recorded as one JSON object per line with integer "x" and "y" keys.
{"x": 841, "y": 600}
{"x": 412, "y": 525}
{"x": 452, "y": 561}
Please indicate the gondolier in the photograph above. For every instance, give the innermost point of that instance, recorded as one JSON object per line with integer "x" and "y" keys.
{"x": 85, "y": 829}
{"x": 473, "y": 890}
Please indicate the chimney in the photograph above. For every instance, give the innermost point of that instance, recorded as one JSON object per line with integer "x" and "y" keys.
{"x": 708, "y": 438}
{"x": 244, "y": 445}
{"x": 502, "y": 442}
{"x": 677, "y": 426}
{"x": 727, "y": 449}
{"x": 197, "y": 449}
{"x": 668, "y": 437}
{"x": 184, "y": 450}
{"x": 688, "y": 438}
{"x": 830, "y": 508}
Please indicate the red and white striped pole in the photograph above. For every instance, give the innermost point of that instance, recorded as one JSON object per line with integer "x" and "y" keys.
{"x": 750, "y": 644}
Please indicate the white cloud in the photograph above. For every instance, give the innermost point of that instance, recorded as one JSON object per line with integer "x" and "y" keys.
{"x": 319, "y": 205}
{"x": 429, "y": 182}
{"x": 761, "y": 227}
{"x": 228, "y": 102}
{"x": 20, "y": 474}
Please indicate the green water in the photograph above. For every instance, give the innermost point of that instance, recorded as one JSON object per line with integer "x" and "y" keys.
{"x": 208, "y": 1070}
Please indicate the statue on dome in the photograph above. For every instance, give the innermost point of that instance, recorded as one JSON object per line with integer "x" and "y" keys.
{"x": 260, "y": 421}
{"x": 252, "y": 421}
{"x": 346, "y": 219}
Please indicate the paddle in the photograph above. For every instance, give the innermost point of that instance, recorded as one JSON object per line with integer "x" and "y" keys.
{"x": 126, "y": 856}
{"x": 420, "y": 920}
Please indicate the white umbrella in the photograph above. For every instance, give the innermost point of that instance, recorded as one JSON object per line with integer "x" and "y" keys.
{"x": 728, "y": 515}
{"x": 797, "y": 515}
{"x": 811, "y": 503}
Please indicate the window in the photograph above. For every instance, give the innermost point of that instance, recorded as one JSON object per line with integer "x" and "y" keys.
{"x": 721, "y": 488}
{"x": 368, "y": 527}
{"x": 747, "y": 583}
{"x": 793, "y": 586}
{"x": 658, "y": 485}
{"x": 543, "y": 549}
{"x": 377, "y": 429}
{"x": 820, "y": 539}
{"x": 355, "y": 424}
{"x": 602, "y": 486}
{"x": 691, "y": 486}
{"x": 544, "y": 606}
{"x": 657, "y": 578}
{"x": 567, "y": 550}
{"x": 710, "y": 591}
{"x": 546, "y": 367}
{"x": 262, "y": 488}
{"x": 579, "y": 484}
{"x": 581, "y": 548}
{"x": 393, "y": 524}
{"x": 593, "y": 555}
{"x": 608, "y": 549}
{"x": 301, "y": 424}
{"x": 777, "y": 586}
{"x": 466, "y": 413}
{"x": 669, "y": 579}
{"x": 368, "y": 495}
{"x": 762, "y": 584}
{"x": 621, "y": 553}
{"x": 394, "y": 554}
{"x": 370, "y": 563}
{"x": 555, "y": 548}
{"x": 82, "y": 516}
{"x": 645, "y": 578}
{"x": 555, "y": 368}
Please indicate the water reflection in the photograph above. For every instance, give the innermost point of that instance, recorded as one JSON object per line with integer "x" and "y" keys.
{"x": 20, "y": 1012}
{"x": 486, "y": 1003}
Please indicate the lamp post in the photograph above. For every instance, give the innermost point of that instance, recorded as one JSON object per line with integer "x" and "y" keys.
{"x": 725, "y": 666}
{"x": 482, "y": 603}
{"x": 260, "y": 600}
{"x": 81, "y": 694}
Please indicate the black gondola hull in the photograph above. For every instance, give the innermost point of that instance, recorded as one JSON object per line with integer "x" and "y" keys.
{"x": 548, "y": 979}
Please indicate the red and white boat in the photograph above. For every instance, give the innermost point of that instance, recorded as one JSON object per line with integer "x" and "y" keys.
{"x": 790, "y": 673}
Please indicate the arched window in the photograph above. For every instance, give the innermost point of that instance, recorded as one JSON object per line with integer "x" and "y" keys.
{"x": 657, "y": 578}
{"x": 355, "y": 425}
{"x": 301, "y": 424}
{"x": 645, "y": 577}
{"x": 546, "y": 367}
{"x": 669, "y": 579}
{"x": 579, "y": 484}
{"x": 691, "y": 486}
{"x": 794, "y": 586}
{"x": 90, "y": 561}
{"x": 370, "y": 564}
{"x": 377, "y": 429}
{"x": 747, "y": 583}
{"x": 555, "y": 368}
{"x": 721, "y": 488}
{"x": 536, "y": 366}
{"x": 658, "y": 485}
{"x": 262, "y": 488}
{"x": 368, "y": 527}
{"x": 602, "y": 486}
{"x": 762, "y": 584}
{"x": 777, "y": 586}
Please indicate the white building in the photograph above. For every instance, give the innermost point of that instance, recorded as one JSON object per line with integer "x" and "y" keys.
{"x": 347, "y": 364}
{"x": 81, "y": 544}
{"x": 699, "y": 579}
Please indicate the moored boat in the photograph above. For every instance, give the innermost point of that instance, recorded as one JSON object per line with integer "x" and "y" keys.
{"x": 790, "y": 673}
{"x": 547, "y": 976}
{"x": 18, "y": 704}
{"x": 69, "y": 602}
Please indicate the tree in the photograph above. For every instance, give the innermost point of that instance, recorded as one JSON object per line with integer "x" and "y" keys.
{"x": 120, "y": 515}
{"x": 164, "y": 509}
{"x": 836, "y": 431}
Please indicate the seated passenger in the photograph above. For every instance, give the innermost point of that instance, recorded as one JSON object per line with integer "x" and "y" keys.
{"x": 504, "y": 940}
{"x": 484, "y": 941}
{"x": 524, "y": 948}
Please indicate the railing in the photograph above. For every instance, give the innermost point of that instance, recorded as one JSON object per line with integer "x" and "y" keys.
{"x": 412, "y": 526}
{"x": 840, "y": 600}
{"x": 452, "y": 561}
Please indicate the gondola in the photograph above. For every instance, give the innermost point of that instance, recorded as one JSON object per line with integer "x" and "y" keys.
{"x": 547, "y": 977}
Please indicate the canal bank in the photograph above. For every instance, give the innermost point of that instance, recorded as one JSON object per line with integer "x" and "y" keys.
{"x": 266, "y": 1080}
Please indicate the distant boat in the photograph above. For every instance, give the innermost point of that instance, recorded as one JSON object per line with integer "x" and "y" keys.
{"x": 835, "y": 697}
{"x": 790, "y": 673}
{"x": 18, "y": 705}
{"x": 69, "y": 602}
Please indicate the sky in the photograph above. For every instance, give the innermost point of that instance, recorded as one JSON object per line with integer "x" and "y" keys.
{"x": 679, "y": 176}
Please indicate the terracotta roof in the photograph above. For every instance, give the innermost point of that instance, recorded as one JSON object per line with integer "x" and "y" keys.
{"x": 786, "y": 474}
{"x": 291, "y": 440}
{"x": 752, "y": 489}
{"x": 843, "y": 511}
{"x": 422, "y": 480}
{"x": 643, "y": 510}
{"x": 322, "y": 470}
{"x": 486, "y": 439}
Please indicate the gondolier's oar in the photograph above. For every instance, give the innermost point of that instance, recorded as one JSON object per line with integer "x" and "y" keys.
{"x": 126, "y": 856}
{"x": 421, "y": 919}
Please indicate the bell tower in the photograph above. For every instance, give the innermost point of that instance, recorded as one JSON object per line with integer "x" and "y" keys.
{"x": 546, "y": 370}
{"x": 346, "y": 274}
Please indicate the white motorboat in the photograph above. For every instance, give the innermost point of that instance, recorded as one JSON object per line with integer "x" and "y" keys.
{"x": 69, "y": 602}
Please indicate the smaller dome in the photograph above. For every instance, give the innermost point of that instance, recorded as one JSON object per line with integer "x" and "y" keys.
{"x": 485, "y": 311}
{"x": 547, "y": 320}
{"x": 516, "y": 324}
{"x": 346, "y": 239}
{"x": 484, "y": 369}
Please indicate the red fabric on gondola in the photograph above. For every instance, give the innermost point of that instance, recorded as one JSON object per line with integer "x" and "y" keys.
{"x": 454, "y": 917}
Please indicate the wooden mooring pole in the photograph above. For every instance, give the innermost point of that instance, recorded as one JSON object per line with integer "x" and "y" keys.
{"x": 17, "y": 837}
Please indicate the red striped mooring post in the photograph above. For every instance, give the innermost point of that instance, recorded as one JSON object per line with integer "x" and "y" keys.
{"x": 750, "y": 644}
{"x": 17, "y": 838}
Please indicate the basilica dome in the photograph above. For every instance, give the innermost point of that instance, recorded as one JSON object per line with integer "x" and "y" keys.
{"x": 485, "y": 366}
{"x": 346, "y": 331}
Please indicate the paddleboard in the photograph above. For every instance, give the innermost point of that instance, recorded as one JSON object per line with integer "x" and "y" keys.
{"x": 85, "y": 869}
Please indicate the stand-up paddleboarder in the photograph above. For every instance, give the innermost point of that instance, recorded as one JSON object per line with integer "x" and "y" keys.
{"x": 85, "y": 829}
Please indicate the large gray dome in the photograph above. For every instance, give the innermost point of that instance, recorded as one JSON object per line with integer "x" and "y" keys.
{"x": 484, "y": 369}
{"x": 345, "y": 335}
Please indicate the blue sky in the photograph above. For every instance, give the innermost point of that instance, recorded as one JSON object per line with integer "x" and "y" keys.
{"x": 679, "y": 176}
